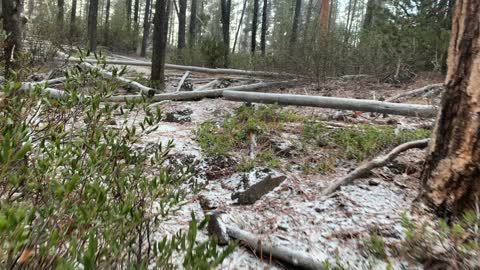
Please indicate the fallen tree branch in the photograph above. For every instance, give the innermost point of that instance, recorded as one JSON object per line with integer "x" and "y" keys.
{"x": 180, "y": 84}
{"x": 264, "y": 247}
{"x": 207, "y": 86}
{"x": 363, "y": 105}
{"x": 375, "y": 163}
{"x": 186, "y": 68}
{"x": 195, "y": 95}
{"x": 148, "y": 91}
{"x": 30, "y": 86}
{"x": 429, "y": 88}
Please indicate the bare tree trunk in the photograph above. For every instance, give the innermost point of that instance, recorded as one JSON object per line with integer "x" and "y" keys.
{"x": 323, "y": 20}
{"x": 296, "y": 16}
{"x": 128, "y": 4}
{"x": 308, "y": 19}
{"x": 253, "y": 44}
{"x": 451, "y": 176}
{"x": 192, "y": 30}
{"x": 160, "y": 26}
{"x": 107, "y": 22}
{"x": 226, "y": 6}
{"x": 263, "y": 38}
{"x": 146, "y": 28}
{"x": 92, "y": 25}
{"x": 182, "y": 22}
{"x": 349, "y": 27}
{"x": 13, "y": 25}
{"x": 240, "y": 25}
{"x": 60, "y": 16}
{"x": 73, "y": 17}
{"x": 136, "y": 10}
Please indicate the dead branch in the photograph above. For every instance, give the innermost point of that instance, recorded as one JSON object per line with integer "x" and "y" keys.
{"x": 265, "y": 246}
{"x": 184, "y": 77}
{"x": 185, "y": 68}
{"x": 195, "y": 95}
{"x": 209, "y": 85}
{"x": 363, "y": 105}
{"x": 417, "y": 92}
{"x": 375, "y": 163}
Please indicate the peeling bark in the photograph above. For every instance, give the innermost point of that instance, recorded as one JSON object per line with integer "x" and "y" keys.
{"x": 451, "y": 176}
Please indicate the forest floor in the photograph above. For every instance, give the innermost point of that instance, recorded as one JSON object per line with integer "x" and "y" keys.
{"x": 294, "y": 213}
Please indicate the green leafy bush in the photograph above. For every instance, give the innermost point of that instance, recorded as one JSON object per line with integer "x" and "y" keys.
{"x": 76, "y": 192}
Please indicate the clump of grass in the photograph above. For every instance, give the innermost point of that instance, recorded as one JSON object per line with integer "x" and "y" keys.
{"x": 235, "y": 130}
{"x": 359, "y": 142}
{"x": 375, "y": 245}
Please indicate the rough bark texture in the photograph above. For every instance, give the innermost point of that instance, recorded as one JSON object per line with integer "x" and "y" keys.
{"x": 136, "y": 10}
{"x": 146, "y": 28}
{"x": 226, "y": 8}
{"x": 254, "y": 26}
{"x": 92, "y": 24}
{"x": 182, "y": 22}
{"x": 13, "y": 25}
{"x": 73, "y": 17}
{"x": 192, "y": 30}
{"x": 107, "y": 22}
{"x": 263, "y": 37}
{"x": 324, "y": 18}
{"x": 296, "y": 17}
{"x": 451, "y": 177}
{"x": 160, "y": 26}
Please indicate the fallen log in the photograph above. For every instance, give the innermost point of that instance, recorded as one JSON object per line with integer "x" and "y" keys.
{"x": 148, "y": 91}
{"x": 180, "y": 84}
{"x": 195, "y": 95}
{"x": 207, "y": 86}
{"x": 30, "y": 86}
{"x": 264, "y": 247}
{"x": 375, "y": 163}
{"x": 185, "y": 68}
{"x": 363, "y": 105}
{"x": 429, "y": 88}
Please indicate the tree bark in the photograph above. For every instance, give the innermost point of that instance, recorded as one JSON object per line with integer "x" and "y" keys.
{"x": 136, "y": 11}
{"x": 308, "y": 19}
{"x": 226, "y": 7}
{"x": 323, "y": 19}
{"x": 107, "y": 22}
{"x": 73, "y": 17}
{"x": 296, "y": 16}
{"x": 362, "y": 105}
{"x": 160, "y": 26}
{"x": 92, "y": 24}
{"x": 60, "y": 16}
{"x": 182, "y": 22}
{"x": 253, "y": 43}
{"x": 128, "y": 4}
{"x": 146, "y": 28}
{"x": 263, "y": 37}
{"x": 192, "y": 30}
{"x": 13, "y": 25}
{"x": 239, "y": 25}
{"x": 451, "y": 176}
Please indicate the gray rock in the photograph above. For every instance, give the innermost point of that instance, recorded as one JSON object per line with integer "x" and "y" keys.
{"x": 181, "y": 116}
{"x": 257, "y": 190}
